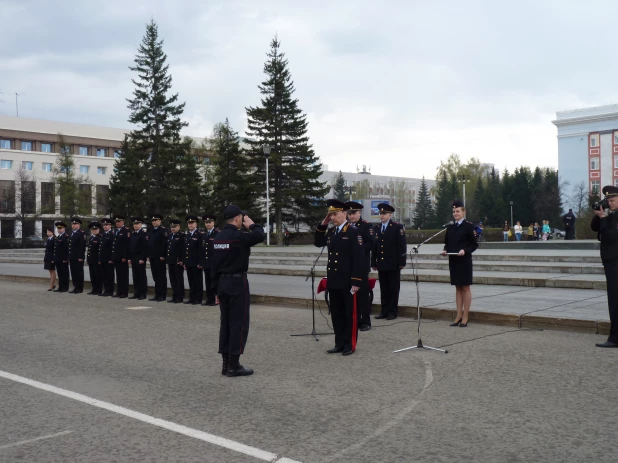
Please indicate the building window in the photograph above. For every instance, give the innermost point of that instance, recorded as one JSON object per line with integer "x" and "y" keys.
{"x": 595, "y": 186}
{"x": 28, "y": 198}
{"x": 8, "y": 229}
{"x": 83, "y": 151}
{"x": 6, "y": 164}
{"x": 47, "y": 167}
{"x": 84, "y": 169}
{"x": 48, "y": 198}
{"x": 65, "y": 169}
{"x": 5, "y": 144}
{"x": 206, "y": 160}
{"x": 26, "y": 165}
{"x": 616, "y": 162}
{"x": 616, "y": 182}
{"x": 102, "y": 170}
{"x": 117, "y": 153}
{"x": 594, "y": 163}
{"x": 7, "y": 197}
{"x": 594, "y": 140}
{"x": 101, "y": 152}
{"x": 26, "y": 146}
{"x": 46, "y": 147}
{"x": 102, "y": 199}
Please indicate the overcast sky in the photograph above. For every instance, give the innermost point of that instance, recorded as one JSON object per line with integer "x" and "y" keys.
{"x": 398, "y": 85}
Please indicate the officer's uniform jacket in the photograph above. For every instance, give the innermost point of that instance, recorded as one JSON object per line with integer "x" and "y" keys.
{"x": 92, "y": 254}
{"x": 346, "y": 255}
{"x": 193, "y": 249}
{"x": 138, "y": 246}
{"x": 105, "y": 247}
{"x": 366, "y": 230}
{"x": 77, "y": 245}
{"x": 50, "y": 244}
{"x": 157, "y": 243}
{"x": 175, "y": 248}
{"x": 569, "y": 220}
{"x": 207, "y": 241}
{"x": 461, "y": 237}
{"x": 390, "y": 247}
{"x": 607, "y": 234}
{"x": 61, "y": 248}
{"x": 120, "y": 244}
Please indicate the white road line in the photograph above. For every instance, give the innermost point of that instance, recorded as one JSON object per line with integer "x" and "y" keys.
{"x": 137, "y": 308}
{"x": 49, "y": 436}
{"x": 195, "y": 433}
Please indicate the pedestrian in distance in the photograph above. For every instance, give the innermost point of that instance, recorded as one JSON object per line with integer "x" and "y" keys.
{"x": 138, "y": 253}
{"x": 210, "y": 233}
{"x": 77, "y": 254}
{"x": 231, "y": 249}
{"x": 531, "y": 232}
{"x": 93, "y": 249}
{"x": 61, "y": 257}
{"x": 459, "y": 244}
{"x": 157, "y": 246}
{"x": 173, "y": 258}
{"x": 518, "y": 230}
{"x": 537, "y": 231}
{"x": 120, "y": 257}
{"x": 48, "y": 259}
{"x": 569, "y": 225}
{"x": 105, "y": 257}
{"x": 506, "y": 229}
{"x": 192, "y": 260}
{"x": 546, "y": 230}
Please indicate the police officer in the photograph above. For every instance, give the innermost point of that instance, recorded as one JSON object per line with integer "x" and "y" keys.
{"x": 569, "y": 225}
{"x": 192, "y": 261}
{"x": 61, "y": 258}
{"x": 105, "y": 257}
{"x": 230, "y": 261}
{"x": 92, "y": 258}
{"x": 157, "y": 246}
{"x": 138, "y": 252}
{"x": 388, "y": 258}
{"x": 175, "y": 249}
{"x": 120, "y": 257}
{"x": 77, "y": 253}
{"x": 207, "y": 239}
{"x": 365, "y": 229}
{"x": 344, "y": 271}
{"x": 607, "y": 232}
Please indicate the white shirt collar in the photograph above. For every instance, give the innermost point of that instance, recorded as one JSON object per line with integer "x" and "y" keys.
{"x": 341, "y": 226}
{"x": 460, "y": 222}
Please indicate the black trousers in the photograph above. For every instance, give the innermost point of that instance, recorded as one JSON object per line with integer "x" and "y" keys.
{"x": 569, "y": 234}
{"x": 210, "y": 294}
{"x": 363, "y": 304}
{"x": 389, "y": 291}
{"x": 96, "y": 277}
{"x": 611, "y": 275}
{"x": 177, "y": 281}
{"x": 140, "y": 281}
{"x": 157, "y": 267}
{"x": 343, "y": 317}
{"x": 122, "y": 278}
{"x": 62, "y": 269}
{"x": 107, "y": 273}
{"x": 77, "y": 275}
{"x": 196, "y": 288}
{"x": 234, "y": 303}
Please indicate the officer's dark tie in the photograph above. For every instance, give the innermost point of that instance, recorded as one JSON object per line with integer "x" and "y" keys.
{"x": 336, "y": 231}
{"x": 383, "y": 228}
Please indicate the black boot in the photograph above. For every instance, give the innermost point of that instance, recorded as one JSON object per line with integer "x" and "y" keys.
{"x": 226, "y": 361}
{"x": 234, "y": 368}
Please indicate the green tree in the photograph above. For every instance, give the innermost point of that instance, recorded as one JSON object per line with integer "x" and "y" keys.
{"x": 294, "y": 168}
{"x": 446, "y": 192}
{"x": 361, "y": 189}
{"x": 423, "y": 213}
{"x": 496, "y": 210}
{"x": 72, "y": 188}
{"x": 339, "y": 187}
{"x": 127, "y": 186}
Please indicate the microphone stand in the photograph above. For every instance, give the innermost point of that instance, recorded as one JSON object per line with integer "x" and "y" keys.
{"x": 414, "y": 260}
{"x": 312, "y": 276}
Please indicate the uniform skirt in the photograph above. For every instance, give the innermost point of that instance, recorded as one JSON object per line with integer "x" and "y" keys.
{"x": 48, "y": 265}
{"x": 460, "y": 269}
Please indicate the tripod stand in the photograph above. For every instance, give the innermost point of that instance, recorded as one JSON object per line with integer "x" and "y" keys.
{"x": 414, "y": 259}
{"x": 312, "y": 276}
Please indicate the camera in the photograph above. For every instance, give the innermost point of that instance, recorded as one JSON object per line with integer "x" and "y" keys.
{"x": 600, "y": 205}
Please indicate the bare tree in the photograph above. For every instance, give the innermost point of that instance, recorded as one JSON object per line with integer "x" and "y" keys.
{"x": 579, "y": 197}
{"x": 25, "y": 199}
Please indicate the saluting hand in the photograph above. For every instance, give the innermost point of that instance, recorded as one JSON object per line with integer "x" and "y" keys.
{"x": 247, "y": 222}
{"x": 326, "y": 220}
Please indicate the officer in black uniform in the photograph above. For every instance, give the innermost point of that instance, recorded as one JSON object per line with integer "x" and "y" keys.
{"x": 138, "y": 252}
{"x": 207, "y": 239}
{"x": 105, "y": 257}
{"x": 157, "y": 246}
{"x": 607, "y": 232}
{"x": 175, "y": 250}
{"x": 569, "y": 225}
{"x": 192, "y": 261}
{"x": 388, "y": 258}
{"x": 120, "y": 257}
{"x": 61, "y": 258}
{"x": 230, "y": 261}
{"x": 77, "y": 254}
{"x": 365, "y": 229}
{"x": 345, "y": 271}
{"x": 92, "y": 258}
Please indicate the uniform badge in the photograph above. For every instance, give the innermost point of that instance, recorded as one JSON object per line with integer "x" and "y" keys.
{"x": 360, "y": 239}
{"x": 401, "y": 231}
{"x": 371, "y": 231}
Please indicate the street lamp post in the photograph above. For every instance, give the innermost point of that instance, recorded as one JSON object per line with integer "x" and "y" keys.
{"x": 266, "y": 149}
{"x": 511, "y": 213}
{"x": 463, "y": 179}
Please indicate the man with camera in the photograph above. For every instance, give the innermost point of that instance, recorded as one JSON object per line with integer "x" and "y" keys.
{"x": 606, "y": 227}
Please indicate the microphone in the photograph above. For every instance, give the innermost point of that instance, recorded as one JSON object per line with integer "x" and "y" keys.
{"x": 447, "y": 224}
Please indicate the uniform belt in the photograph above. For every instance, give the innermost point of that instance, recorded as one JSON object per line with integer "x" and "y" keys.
{"x": 233, "y": 275}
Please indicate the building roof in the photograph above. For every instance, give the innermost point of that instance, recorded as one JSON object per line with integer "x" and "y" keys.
{"x": 594, "y": 114}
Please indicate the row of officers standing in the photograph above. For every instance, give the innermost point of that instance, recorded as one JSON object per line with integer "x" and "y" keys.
{"x": 109, "y": 252}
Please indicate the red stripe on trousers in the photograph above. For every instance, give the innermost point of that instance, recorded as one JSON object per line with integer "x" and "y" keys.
{"x": 354, "y": 328}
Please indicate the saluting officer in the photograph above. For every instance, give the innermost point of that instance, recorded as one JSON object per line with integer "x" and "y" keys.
{"x": 230, "y": 261}
{"x": 175, "y": 249}
{"x": 105, "y": 257}
{"x": 388, "y": 258}
{"x": 92, "y": 258}
{"x": 344, "y": 271}
{"x": 192, "y": 261}
{"x": 207, "y": 239}
{"x": 138, "y": 252}
{"x": 157, "y": 244}
{"x": 120, "y": 257}
{"x": 366, "y": 231}
{"x": 77, "y": 253}
{"x": 61, "y": 258}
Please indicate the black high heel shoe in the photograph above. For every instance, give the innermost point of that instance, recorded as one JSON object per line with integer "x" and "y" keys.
{"x": 51, "y": 289}
{"x": 463, "y": 325}
{"x": 456, "y": 323}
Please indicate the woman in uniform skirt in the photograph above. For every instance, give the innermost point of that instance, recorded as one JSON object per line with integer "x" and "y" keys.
{"x": 460, "y": 239}
{"x": 49, "y": 257}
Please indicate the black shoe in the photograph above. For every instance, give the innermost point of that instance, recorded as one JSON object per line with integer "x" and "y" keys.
{"x": 226, "y": 362}
{"x": 141, "y": 298}
{"x": 179, "y": 301}
{"x": 162, "y": 299}
{"x": 73, "y": 291}
{"x": 379, "y": 317}
{"x": 335, "y": 350}
{"x": 154, "y": 299}
{"x": 134, "y": 296}
{"x": 347, "y": 352}
{"x": 463, "y": 325}
{"x": 238, "y": 371}
{"x": 455, "y": 323}
{"x": 124, "y": 296}
{"x": 365, "y": 327}
{"x": 91, "y": 293}
{"x": 171, "y": 301}
{"x": 391, "y": 316}
{"x": 197, "y": 303}
{"x": 105, "y": 295}
{"x": 607, "y": 344}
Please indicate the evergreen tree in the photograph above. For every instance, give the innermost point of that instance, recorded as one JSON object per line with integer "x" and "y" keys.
{"x": 445, "y": 194}
{"x": 294, "y": 168}
{"x": 127, "y": 185}
{"x": 339, "y": 187}
{"x": 423, "y": 213}
{"x": 73, "y": 199}
{"x": 522, "y": 196}
{"x": 497, "y": 212}
{"x": 480, "y": 201}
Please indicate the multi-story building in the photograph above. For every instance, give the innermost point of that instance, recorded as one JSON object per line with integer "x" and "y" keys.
{"x": 588, "y": 146}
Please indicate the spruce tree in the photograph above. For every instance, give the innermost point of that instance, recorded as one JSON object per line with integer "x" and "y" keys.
{"x": 339, "y": 187}
{"x": 67, "y": 181}
{"x": 297, "y": 193}
{"x": 444, "y": 200}
{"x": 127, "y": 184}
{"x": 423, "y": 213}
